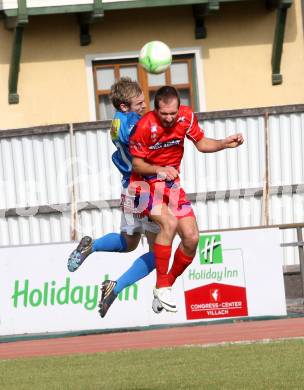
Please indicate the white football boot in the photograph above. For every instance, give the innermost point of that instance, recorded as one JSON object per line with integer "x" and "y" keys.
{"x": 164, "y": 295}
{"x": 157, "y": 306}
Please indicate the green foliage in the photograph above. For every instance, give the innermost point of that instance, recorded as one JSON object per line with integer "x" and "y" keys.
{"x": 275, "y": 365}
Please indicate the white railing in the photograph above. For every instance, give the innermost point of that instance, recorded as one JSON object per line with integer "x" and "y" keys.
{"x": 58, "y": 182}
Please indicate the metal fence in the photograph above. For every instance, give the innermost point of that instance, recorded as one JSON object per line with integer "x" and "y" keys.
{"x": 58, "y": 182}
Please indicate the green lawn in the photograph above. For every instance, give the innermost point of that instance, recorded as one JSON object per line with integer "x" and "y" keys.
{"x": 275, "y": 365}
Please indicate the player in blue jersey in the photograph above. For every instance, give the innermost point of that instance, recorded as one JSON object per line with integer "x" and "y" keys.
{"x": 128, "y": 99}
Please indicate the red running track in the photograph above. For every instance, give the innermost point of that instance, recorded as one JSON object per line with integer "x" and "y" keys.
{"x": 169, "y": 337}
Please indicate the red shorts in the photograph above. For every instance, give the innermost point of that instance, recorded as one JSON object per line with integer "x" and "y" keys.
{"x": 154, "y": 193}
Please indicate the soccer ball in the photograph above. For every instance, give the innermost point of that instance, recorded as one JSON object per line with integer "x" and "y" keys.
{"x": 155, "y": 57}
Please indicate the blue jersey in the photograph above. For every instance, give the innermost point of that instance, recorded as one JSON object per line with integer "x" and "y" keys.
{"x": 122, "y": 125}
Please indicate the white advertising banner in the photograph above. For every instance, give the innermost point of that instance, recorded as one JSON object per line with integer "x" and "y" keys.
{"x": 234, "y": 274}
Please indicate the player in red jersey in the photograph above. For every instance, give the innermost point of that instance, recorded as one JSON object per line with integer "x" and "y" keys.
{"x": 157, "y": 147}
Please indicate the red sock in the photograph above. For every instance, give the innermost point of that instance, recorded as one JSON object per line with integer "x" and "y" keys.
{"x": 162, "y": 255}
{"x": 180, "y": 263}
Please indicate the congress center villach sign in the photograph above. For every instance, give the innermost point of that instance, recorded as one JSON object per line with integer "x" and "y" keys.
{"x": 236, "y": 274}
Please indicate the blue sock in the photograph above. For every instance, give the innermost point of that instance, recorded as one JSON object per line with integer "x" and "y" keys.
{"x": 138, "y": 270}
{"x": 112, "y": 242}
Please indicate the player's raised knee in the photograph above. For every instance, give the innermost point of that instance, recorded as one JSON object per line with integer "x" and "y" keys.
{"x": 190, "y": 240}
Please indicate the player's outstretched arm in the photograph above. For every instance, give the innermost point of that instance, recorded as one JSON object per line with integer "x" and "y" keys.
{"x": 210, "y": 145}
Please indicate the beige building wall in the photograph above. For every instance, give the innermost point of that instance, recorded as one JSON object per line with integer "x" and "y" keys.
{"x": 236, "y": 59}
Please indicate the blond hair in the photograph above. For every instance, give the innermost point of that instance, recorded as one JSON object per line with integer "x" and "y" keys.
{"x": 123, "y": 91}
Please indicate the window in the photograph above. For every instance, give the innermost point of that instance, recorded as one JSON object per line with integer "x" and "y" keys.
{"x": 106, "y": 72}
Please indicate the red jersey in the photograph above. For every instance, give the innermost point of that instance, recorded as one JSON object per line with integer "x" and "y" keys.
{"x": 164, "y": 146}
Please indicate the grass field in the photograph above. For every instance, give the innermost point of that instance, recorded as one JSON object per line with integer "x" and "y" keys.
{"x": 275, "y": 365}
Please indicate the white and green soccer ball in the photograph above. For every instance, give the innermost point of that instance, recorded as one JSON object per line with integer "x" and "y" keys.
{"x": 155, "y": 57}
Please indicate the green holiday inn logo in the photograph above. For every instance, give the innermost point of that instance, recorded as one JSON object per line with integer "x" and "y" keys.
{"x": 210, "y": 249}
{"x": 211, "y": 258}
{"x": 52, "y": 293}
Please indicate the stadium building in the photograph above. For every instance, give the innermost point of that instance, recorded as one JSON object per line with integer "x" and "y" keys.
{"x": 238, "y": 64}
